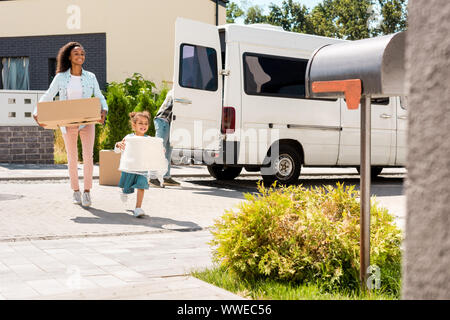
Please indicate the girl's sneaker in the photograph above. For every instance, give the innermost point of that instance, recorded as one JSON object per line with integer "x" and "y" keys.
{"x": 138, "y": 212}
{"x": 77, "y": 197}
{"x": 86, "y": 199}
{"x": 124, "y": 197}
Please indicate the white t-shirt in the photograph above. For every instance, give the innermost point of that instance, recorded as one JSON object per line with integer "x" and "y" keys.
{"x": 74, "y": 88}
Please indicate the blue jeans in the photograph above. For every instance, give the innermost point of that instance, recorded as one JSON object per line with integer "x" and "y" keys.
{"x": 162, "y": 131}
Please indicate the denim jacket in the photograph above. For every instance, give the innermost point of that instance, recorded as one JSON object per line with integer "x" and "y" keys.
{"x": 60, "y": 82}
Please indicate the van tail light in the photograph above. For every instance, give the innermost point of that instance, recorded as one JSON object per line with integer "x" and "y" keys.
{"x": 228, "y": 120}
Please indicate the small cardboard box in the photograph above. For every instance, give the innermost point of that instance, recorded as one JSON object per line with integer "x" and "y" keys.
{"x": 109, "y": 174}
{"x": 69, "y": 112}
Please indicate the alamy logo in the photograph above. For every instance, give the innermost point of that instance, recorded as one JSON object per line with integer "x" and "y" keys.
{"x": 74, "y": 19}
{"x": 374, "y": 280}
{"x": 74, "y": 277}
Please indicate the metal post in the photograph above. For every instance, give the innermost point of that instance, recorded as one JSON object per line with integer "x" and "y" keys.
{"x": 365, "y": 189}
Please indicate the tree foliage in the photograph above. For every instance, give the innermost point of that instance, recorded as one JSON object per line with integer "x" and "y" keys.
{"x": 394, "y": 15}
{"x": 291, "y": 16}
{"x": 255, "y": 15}
{"x": 233, "y": 12}
{"x": 345, "y": 19}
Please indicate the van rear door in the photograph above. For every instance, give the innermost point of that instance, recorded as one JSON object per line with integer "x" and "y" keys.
{"x": 197, "y": 87}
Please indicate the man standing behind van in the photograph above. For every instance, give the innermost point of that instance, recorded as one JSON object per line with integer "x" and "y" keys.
{"x": 162, "y": 125}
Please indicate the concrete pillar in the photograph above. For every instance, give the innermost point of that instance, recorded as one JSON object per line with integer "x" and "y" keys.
{"x": 426, "y": 263}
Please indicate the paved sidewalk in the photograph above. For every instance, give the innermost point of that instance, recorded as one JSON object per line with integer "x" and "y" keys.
{"x": 152, "y": 266}
{"x": 44, "y": 210}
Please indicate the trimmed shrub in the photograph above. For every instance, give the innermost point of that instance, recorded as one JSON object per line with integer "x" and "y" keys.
{"x": 306, "y": 235}
{"x": 117, "y": 122}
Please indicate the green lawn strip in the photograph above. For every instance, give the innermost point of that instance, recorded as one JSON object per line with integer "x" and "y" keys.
{"x": 266, "y": 289}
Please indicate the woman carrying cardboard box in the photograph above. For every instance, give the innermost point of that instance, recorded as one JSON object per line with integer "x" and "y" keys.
{"x": 73, "y": 82}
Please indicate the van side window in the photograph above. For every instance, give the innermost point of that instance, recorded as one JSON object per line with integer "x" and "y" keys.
{"x": 274, "y": 76}
{"x": 198, "y": 67}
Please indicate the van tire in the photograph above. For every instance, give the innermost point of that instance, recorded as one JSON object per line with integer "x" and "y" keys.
{"x": 220, "y": 172}
{"x": 290, "y": 157}
{"x": 374, "y": 171}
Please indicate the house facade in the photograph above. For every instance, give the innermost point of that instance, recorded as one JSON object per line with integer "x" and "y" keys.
{"x": 120, "y": 37}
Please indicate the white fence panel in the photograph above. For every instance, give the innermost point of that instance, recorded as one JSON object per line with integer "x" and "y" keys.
{"x": 16, "y": 107}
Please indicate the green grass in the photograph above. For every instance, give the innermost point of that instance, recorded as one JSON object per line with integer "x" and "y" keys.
{"x": 266, "y": 289}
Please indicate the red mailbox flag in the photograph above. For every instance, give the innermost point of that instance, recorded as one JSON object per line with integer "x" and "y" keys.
{"x": 351, "y": 88}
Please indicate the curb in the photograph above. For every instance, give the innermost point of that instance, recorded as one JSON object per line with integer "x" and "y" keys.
{"x": 99, "y": 235}
{"x": 96, "y": 177}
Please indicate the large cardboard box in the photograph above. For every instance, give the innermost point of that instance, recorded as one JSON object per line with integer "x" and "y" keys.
{"x": 69, "y": 112}
{"x": 109, "y": 174}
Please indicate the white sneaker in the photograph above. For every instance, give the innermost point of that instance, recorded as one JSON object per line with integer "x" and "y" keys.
{"x": 86, "y": 199}
{"x": 138, "y": 212}
{"x": 77, "y": 197}
{"x": 124, "y": 197}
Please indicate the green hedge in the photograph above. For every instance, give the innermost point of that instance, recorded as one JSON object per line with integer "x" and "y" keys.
{"x": 306, "y": 236}
{"x": 134, "y": 94}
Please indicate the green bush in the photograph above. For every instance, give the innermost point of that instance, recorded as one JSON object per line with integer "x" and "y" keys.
{"x": 134, "y": 94}
{"x": 147, "y": 100}
{"x": 117, "y": 122}
{"x": 306, "y": 236}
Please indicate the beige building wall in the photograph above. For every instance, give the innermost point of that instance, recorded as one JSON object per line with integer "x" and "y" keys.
{"x": 139, "y": 33}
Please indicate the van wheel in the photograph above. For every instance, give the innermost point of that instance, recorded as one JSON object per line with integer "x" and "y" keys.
{"x": 286, "y": 169}
{"x": 374, "y": 171}
{"x": 220, "y": 172}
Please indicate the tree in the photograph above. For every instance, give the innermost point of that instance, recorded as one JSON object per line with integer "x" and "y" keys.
{"x": 344, "y": 19}
{"x": 291, "y": 16}
{"x": 233, "y": 12}
{"x": 347, "y": 19}
{"x": 323, "y": 18}
{"x": 394, "y": 15}
{"x": 255, "y": 15}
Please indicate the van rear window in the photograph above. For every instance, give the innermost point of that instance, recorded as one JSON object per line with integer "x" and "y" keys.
{"x": 198, "y": 67}
{"x": 274, "y": 76}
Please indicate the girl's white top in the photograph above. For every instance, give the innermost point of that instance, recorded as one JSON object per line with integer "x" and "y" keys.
{"x": 74, "y": 88}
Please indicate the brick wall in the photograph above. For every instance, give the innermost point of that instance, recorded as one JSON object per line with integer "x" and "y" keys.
{"x": 26, "y": 144}
{"x": 40, "y": 49}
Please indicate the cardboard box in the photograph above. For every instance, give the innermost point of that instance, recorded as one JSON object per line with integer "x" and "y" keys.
{"x": 69, "y": 112}
{"x": 109, "y": 174}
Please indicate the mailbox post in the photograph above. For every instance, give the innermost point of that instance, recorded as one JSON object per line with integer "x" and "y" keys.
{"x": 358, "y": 70}
{"x": 365, "y": 181}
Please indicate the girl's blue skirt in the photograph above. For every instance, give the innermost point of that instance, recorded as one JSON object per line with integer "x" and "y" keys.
{"x": 130, "y": 181}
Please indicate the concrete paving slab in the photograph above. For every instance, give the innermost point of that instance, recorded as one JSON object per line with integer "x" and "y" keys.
{"x": 112, "y": 276}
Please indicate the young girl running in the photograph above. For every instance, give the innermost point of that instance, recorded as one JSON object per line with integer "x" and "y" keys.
{"x": 129, "y": 181}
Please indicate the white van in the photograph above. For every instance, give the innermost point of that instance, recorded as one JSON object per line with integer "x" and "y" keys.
{"x": 239, "y": 102}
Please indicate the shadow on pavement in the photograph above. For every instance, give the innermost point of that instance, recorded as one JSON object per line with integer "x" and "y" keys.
{"x": 113, "y": 218}
{"x": 381, "y": 186}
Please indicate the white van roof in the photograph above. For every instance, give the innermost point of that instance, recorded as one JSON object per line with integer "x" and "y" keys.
{"x": 268, "y": 35}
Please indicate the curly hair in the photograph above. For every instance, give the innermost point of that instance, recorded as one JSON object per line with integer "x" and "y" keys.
{"x": 62, "y": 61}
{"x": 134, "y": 115}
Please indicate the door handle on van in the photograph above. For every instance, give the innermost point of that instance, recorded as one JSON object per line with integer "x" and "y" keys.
{"x": 402, "y": 117}
{"x": 184, "y": 101}
{"x": 385, "y": 116}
